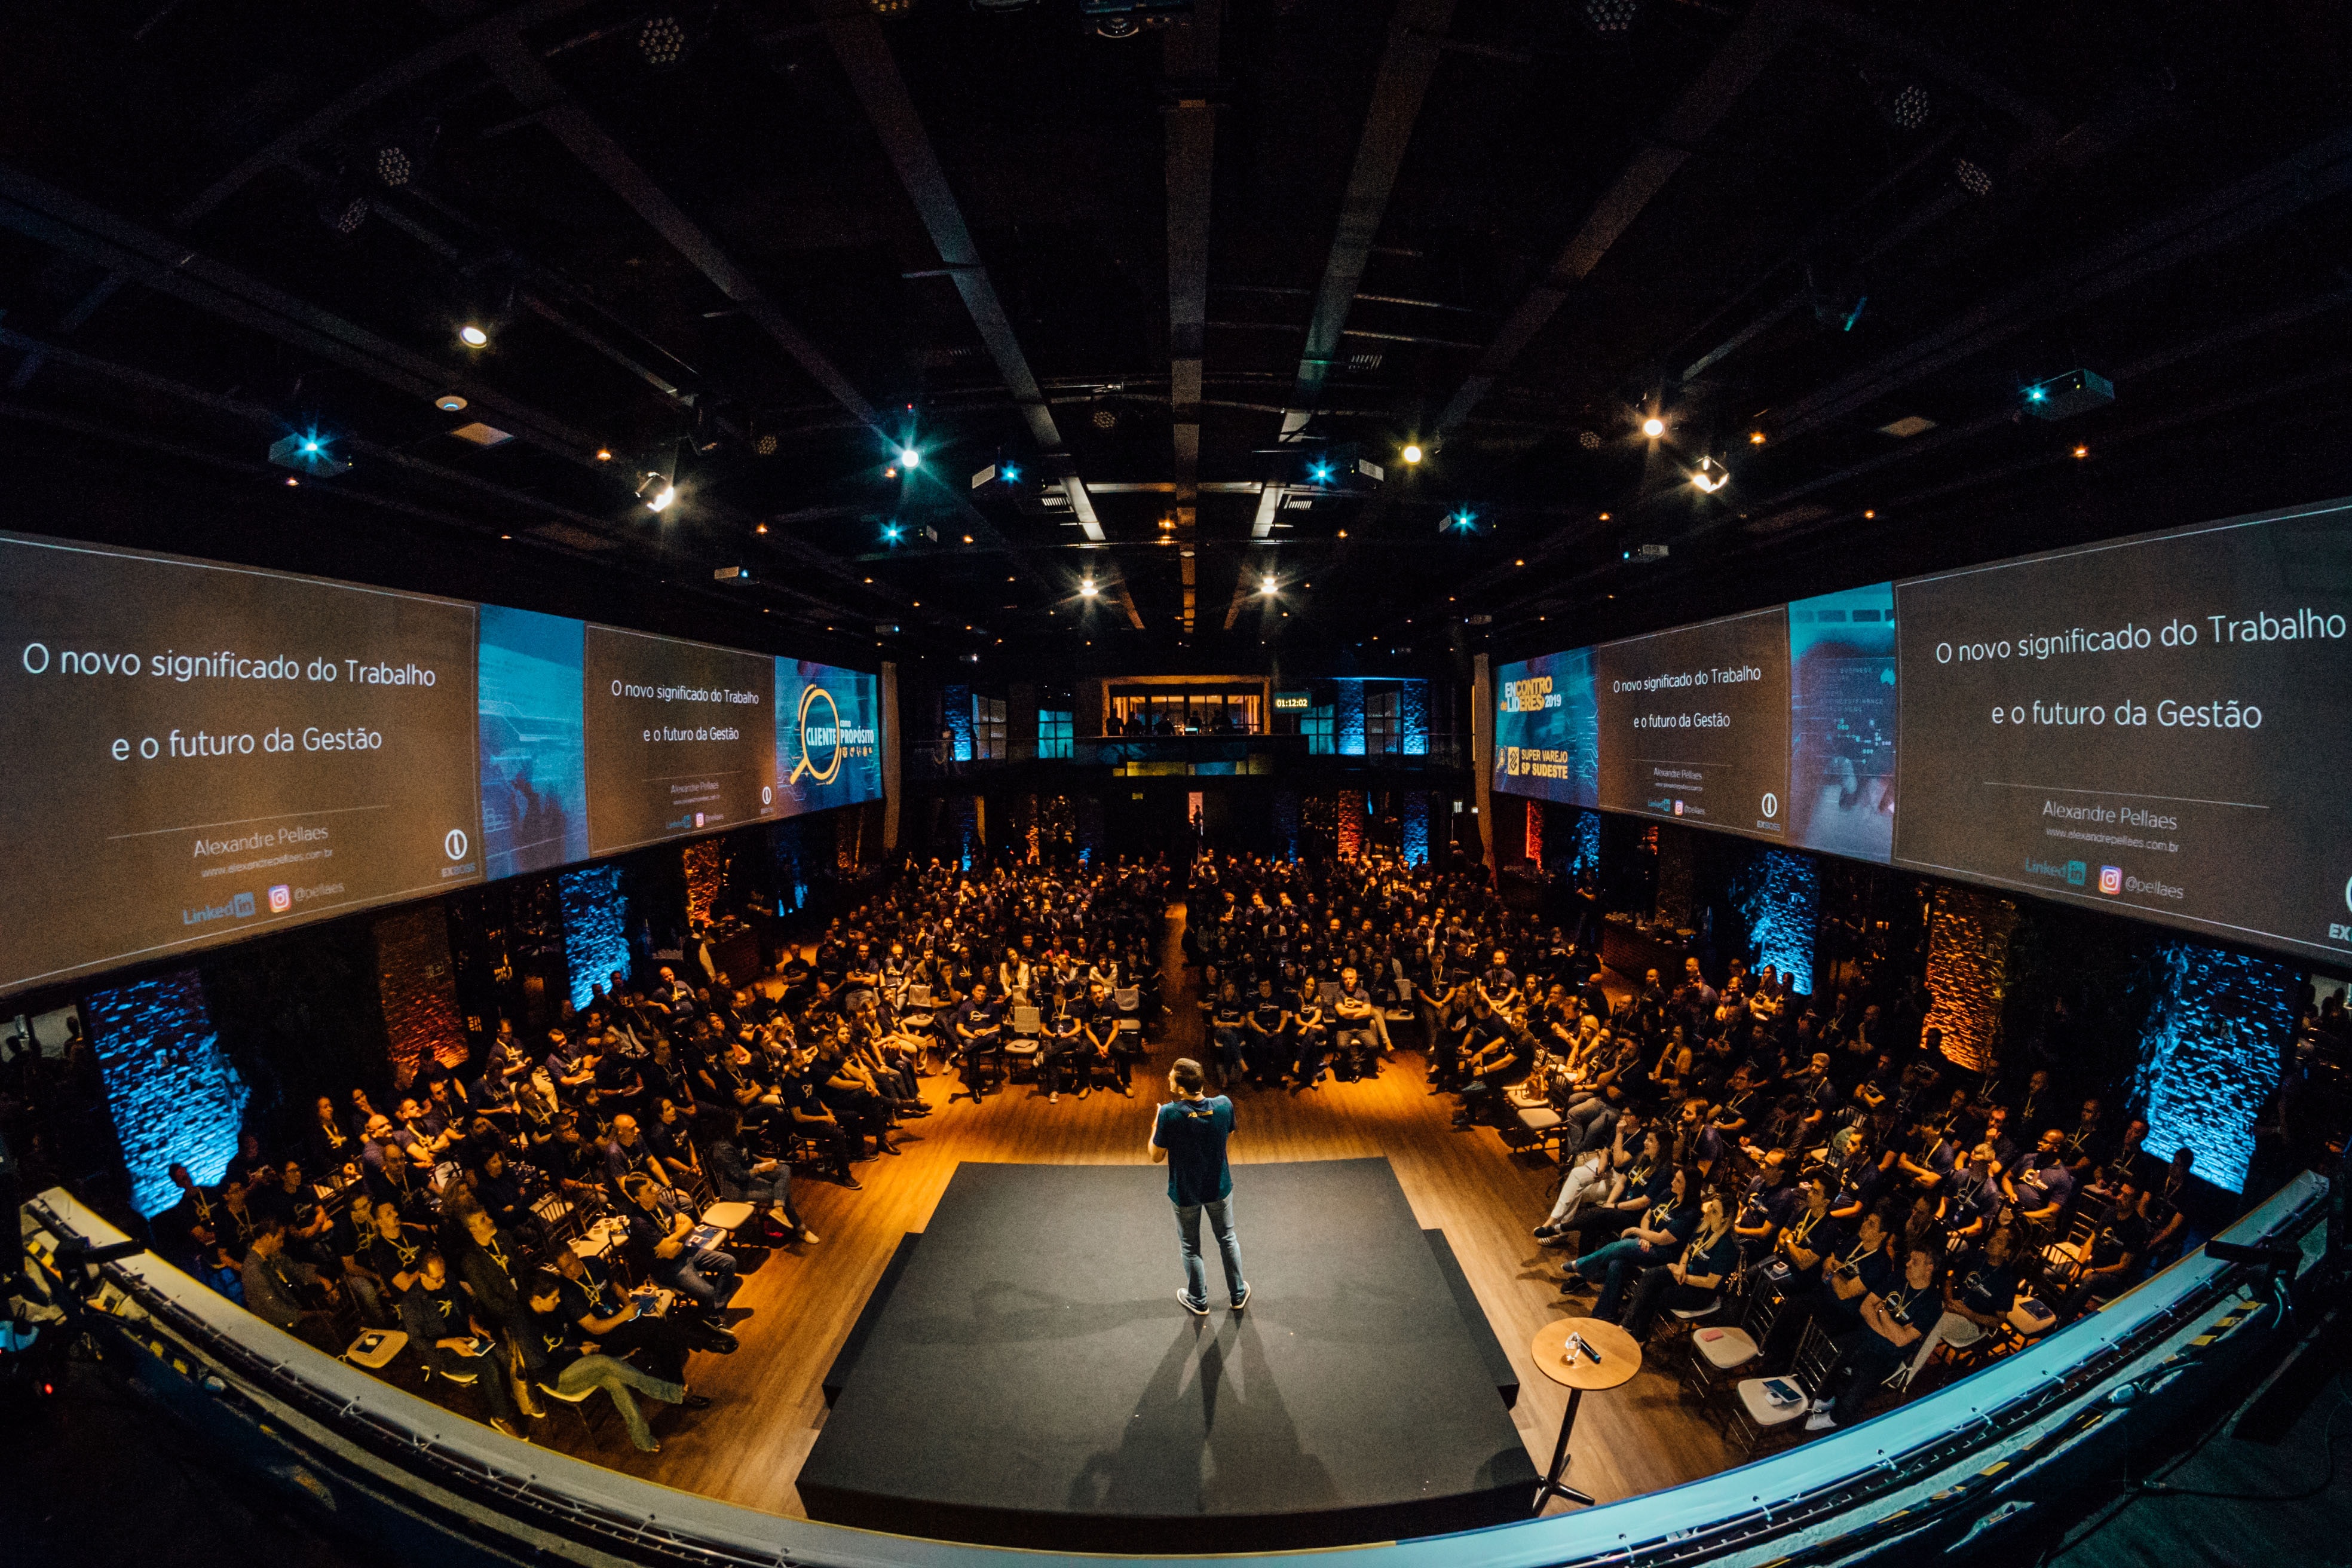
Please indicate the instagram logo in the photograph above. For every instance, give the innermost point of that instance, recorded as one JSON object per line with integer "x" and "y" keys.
{"x": 2111, "y": 879}
{"x": 282, "y": 898}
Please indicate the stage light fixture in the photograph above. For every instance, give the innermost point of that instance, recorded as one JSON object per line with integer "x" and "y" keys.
{"x": 1901, "y": 102}
{"x": 1972, "y": 177}
{"x": 1588, "y": 439}
{"x": 662, "y": 40}
{"x": 1318, "y": 472}
{"x": 657, "y": 490}
{"x": 909, "y": 458}
{"x": 343, "y": 210}
{"x": 892, "y": 533}
{"x": 449, "y": 402}
{"x": 1654, "y": 427}
{"x": 472, "y": 336}
{"x": 1609, "y": 18}
{"x": 1010, "y": 473}
{"x": 1710, "y": 476}
{"x": 1412, "y": 453}
{"x": 1268, "y": 586}
{"x": 604, "y": 454}
{"x": 1087, "y": 589}
{"x": 1756, "y": 438}
{"x": 2082, "y": 452}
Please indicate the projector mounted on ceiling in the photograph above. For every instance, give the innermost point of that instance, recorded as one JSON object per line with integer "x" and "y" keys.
{"x": 2076, "y": 392}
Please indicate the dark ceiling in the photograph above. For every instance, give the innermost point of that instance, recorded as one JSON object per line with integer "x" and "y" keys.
{"x": 1159, "y": 276}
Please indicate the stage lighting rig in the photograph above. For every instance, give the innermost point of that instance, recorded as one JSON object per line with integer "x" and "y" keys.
{"x": 2061, "y": 396}
{"x": 308, "y": 453}
{"x": 1608, "y": 18}
{"x": 1709, "y": 476}
{"x": 1130, "y": 18}
{"x": 664, "y": 41}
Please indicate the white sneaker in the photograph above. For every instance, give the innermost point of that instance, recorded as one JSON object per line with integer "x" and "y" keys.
{"x": 1820, "y": 1421}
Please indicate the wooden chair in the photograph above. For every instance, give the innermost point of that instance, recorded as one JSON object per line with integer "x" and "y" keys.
{"x": 577, "y": 1402}
{"x": 1720, "y": 1354}
{"x": 1750, "y": 1415}
{"x": 1022, "y": 1047}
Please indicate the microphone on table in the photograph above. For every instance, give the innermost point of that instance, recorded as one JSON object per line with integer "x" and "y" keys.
{"x": 1578, "y": 1346}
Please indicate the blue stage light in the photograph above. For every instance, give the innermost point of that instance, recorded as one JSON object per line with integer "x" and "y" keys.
{"x": 1010, "y": 474}
{"x": 1319, "y": 473}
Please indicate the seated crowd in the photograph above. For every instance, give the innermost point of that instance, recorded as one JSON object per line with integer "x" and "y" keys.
{"x": 1714, "y": 1142}
{"x": 531, "y": 1220}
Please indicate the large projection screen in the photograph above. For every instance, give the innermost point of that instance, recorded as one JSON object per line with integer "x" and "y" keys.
{"x": 2160, "y": 726}
{"x": 1694, "y": 724}
{"x": 198, "y": 752}
{"x": 1547, "y": 730}
{"x": 828, "y": 736}
{"x": 681, "y": 739}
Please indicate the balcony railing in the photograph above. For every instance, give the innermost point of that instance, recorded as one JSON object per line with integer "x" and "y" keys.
{"x": 1198, "y": 756}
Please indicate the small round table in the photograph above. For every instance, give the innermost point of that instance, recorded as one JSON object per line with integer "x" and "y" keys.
{"x": 1620, "y": 1358}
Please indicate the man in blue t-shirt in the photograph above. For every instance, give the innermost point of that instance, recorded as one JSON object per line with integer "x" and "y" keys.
{"x": 1190, "y": 1137}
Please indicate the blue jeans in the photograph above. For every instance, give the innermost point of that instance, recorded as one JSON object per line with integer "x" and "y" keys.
{"x": 1618, "y": 1264}
{"x": 1229, "y": 1248}
{"x": 701, "y": 1277}
{"x": 616, "y": 1378}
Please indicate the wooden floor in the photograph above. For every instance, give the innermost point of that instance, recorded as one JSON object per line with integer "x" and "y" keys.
{"x": 749, "y": 1445}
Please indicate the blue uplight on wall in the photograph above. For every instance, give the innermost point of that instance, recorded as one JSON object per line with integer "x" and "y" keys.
{"x": 1414, "y": 838}
{"x": 1779, "y": 898}
{"x": 2210, "y": 1055}
{"x": 1588, "y": 843}
{"x": 1412, "y": 708}
{"x": 1348, "y": 717}
{"x": 174, "y": 1096}
{"x": 1285, "y": 824}
{"x": 596, "y": 927}
{"x": 955, "y": 718}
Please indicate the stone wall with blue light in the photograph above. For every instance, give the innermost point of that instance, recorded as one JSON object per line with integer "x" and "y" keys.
{"x": 173, "y": 1095}
{"x": 1412, "y": 710}
{"x": 1779, "y": 897}
{"x": 955, "y": 718}
{"x": 2210, "y": 1055}
{"x": 596, "y": 927}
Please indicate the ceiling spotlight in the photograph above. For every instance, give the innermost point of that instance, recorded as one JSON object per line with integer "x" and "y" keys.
{"x": 1709, "y": 476}
{"x": 393, "y": 166}
{"x": 892, "y": 533}
{"x": 1087, "y": 589}
{"x": 1654, "y": 427}
{"x": 1902, "y": 103}
{"x": 1412, "y": 453}
{"x": 1588, "y": 439}
{"x": 662, "y": 41}
{"x": 1010, "y": 473}
{"x": 1972, "y": 177}
{"x": 604, "y": 454}
{"x": 449, "y": 402}
{"x": 657, "y": 491}
{"x": 2082, "y": 452}
{"x": 1609, "y": 18}
{"x": 967, "y": 539}
{"x": 1318, "y": 472}
{"x": 909, "y": 458}
{"x": 1267, "y": 585}
{"x": 1756, "y": 438}
{"x": 472, "y": 336}
{"x": 343, "y": 210}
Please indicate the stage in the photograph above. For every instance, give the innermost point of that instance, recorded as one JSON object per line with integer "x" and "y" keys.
{"x": 1030, "y": 1378}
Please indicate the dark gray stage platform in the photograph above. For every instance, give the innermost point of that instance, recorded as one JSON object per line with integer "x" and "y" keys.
{"x": 1031, "y": 1379}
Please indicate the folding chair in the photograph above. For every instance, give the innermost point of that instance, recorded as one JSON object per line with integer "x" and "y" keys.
{"x": 578, "y": 1402}
{"x": 1752, "y": 1417}
{"x": 1720, "y": 1352}
{"x": 1021, "y": 1050}
{"x": 1128, "y": 1001}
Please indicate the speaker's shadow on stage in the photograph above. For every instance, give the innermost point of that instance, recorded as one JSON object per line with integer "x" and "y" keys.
{"x": 1208, "y": 1433}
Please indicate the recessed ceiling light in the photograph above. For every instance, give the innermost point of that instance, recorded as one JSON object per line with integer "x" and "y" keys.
{"x": 472, "y": 336}
{"x": 449, "y": 402}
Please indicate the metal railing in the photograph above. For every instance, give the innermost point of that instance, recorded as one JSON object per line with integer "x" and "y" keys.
{"x": 1915, "y": 1482}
